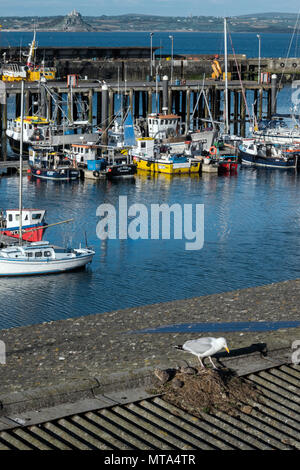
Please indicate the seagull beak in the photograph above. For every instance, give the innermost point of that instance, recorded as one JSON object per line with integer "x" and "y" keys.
{"x": 227, "y": 349}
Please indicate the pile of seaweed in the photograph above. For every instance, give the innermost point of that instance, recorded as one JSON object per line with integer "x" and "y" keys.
{"x": 205, "y": 390}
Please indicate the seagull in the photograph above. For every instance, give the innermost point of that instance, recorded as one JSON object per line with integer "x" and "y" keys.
{"x": 204, "y": 347}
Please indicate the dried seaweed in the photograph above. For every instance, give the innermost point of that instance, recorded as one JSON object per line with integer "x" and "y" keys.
{"x": 208, "y": 390}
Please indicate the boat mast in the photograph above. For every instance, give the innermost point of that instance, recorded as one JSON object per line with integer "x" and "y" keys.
{"x": 21, "y": 166}
{"x": 30, "y": 59}
{"x": 226, "y": 129}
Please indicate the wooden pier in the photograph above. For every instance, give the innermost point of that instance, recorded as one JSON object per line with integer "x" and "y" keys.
{"x": 146, "y": 97}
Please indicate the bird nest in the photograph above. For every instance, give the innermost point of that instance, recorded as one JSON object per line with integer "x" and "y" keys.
{"x": 206, "y": 390}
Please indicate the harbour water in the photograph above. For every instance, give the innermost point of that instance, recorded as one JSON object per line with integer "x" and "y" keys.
{"x": 251, "y": 228}
{"x": 252, "y": 222}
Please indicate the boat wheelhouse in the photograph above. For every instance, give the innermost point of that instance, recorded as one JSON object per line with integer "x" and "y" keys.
{"x": 33, "y": 224}
{"x": 162, "y": 126}
{"x": 82, "y": 153}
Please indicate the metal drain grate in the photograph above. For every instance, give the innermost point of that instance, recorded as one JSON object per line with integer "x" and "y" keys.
{"x": 152, "y": 424}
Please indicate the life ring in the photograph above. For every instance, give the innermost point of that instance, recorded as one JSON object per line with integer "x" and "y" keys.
{"x": 213, "y": 150}
{"x": 96, "y": 174}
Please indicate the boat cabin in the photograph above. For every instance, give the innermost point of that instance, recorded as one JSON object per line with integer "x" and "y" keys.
{"x": 29, "y": 217}
{"x": 144, "y": 147}
{"x": 35, "y": 128}
{"x": 84, "y": 152}
{"x": 35, "y": 251}
{"x": 161, "y": 126}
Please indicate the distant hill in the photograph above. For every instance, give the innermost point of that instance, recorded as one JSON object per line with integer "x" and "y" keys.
{"x": 74, "y": 21}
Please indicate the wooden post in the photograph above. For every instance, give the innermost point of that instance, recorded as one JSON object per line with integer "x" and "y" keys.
{"x": 183, "y": 106}
{"x": 242, "y": 117}
{"x": 131, "y": 100}
{"x": 170, "y": 101}
{"x": 90, "y": 106}
{"x": 150, "y": 101}
{"x": 110, "y": 107}
{"x": 188, "y": 109}
{"x": 27, "y": 102}
{"x": 137, "y": 104}
{"x": 261, "y": 92}
{"x": 98, "y": 119}
{"x": 236, "y": 111}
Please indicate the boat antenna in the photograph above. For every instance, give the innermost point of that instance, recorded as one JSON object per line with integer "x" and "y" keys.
{"x": 21, "y": 166}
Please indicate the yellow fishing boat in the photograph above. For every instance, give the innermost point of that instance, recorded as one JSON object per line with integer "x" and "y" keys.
{"x": 30, "y": 72}
{"x": 148, "y": 157}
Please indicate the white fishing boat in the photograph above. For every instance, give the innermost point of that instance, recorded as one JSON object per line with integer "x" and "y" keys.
{"x": 41, "y": 258}
{"x": 38, "y": 257}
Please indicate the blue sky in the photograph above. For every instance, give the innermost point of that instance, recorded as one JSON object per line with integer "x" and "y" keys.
{"x": 158, "y": 7}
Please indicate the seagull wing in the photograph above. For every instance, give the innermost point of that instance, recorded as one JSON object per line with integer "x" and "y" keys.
{"x": 198, "y": 346}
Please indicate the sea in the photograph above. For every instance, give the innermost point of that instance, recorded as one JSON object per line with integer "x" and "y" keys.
{"x": 250, "y": 229}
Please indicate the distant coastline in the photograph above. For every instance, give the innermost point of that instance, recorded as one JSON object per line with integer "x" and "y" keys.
{"x": 76, "y": 23}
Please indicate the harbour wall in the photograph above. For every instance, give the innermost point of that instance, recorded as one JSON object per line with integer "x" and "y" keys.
{"x": 139, "y": 69}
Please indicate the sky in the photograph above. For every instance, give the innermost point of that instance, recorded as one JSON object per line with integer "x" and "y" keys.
{"x": 154, "y": 7}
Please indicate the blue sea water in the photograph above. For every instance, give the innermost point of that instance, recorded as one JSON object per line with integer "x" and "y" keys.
{"x": 251, "y": 221}
{"x": 272, "y": 44}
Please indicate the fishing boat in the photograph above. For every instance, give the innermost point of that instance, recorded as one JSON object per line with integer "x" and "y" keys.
{"x": 120, "y": 166}
{"x": 39, "y": 257}
{"x": 31, "y": 219}
{"x": 228, "y": 163}
{"x": 30, "y": 72}
{"x": 45, "y": 163}
{"x": 149, "y": 156}
{"x": 40, "y": 130}
{"x": 261, "y": 154}
{"x": 277, "y": 131}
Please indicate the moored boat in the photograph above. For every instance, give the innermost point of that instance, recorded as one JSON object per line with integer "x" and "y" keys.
{"x": 260, "y": 154}
{"x": 41, "y": 258}
{"x": 50, "y": 165}
{"x": 33, "y": 224}
{"x": 38, "y": 257}
{"x": 228, "y": 163}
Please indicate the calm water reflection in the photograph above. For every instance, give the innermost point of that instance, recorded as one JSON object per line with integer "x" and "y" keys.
{"x": 251, "y": 237}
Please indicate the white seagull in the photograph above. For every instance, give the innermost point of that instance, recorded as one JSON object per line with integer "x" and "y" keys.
{"x": 204, "y": 347}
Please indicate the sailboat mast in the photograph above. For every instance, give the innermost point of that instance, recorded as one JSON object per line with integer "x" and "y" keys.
{"x": 226, "y": 78}
{"x": 21, "y": 166}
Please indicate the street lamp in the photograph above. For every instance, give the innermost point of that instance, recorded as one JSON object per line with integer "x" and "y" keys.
{"x": 172, "y": 39}
{"x": 259, "y": 53}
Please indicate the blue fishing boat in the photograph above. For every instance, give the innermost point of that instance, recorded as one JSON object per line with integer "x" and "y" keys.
{"x": 259, "y": 154}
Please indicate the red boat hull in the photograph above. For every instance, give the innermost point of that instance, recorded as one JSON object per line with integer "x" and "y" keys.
{"x": 29, "y": 235}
